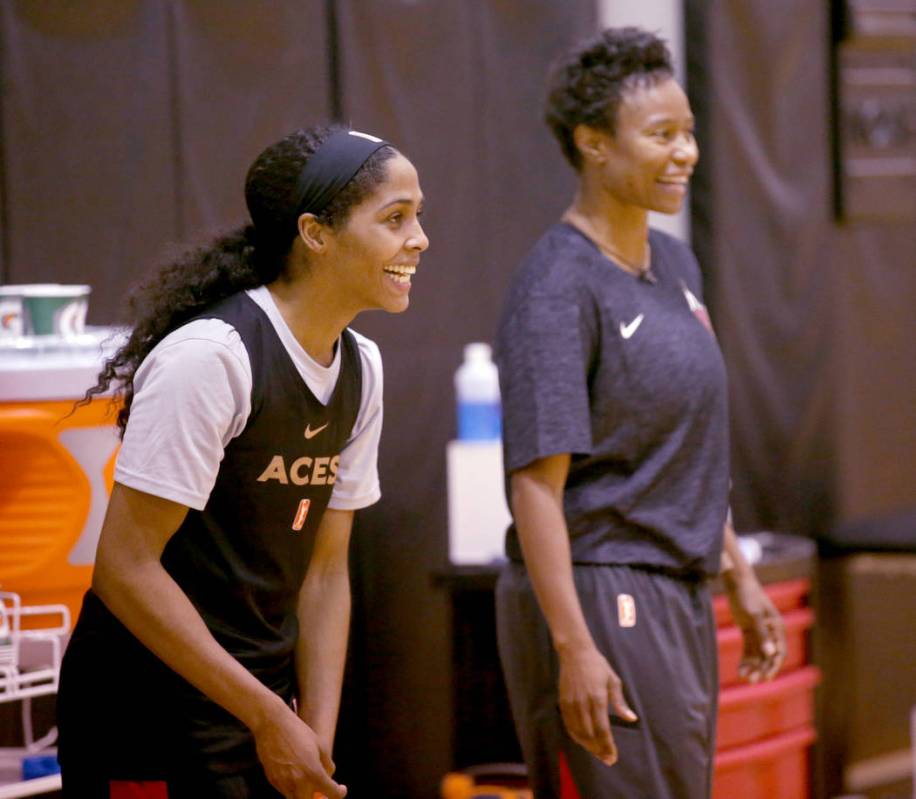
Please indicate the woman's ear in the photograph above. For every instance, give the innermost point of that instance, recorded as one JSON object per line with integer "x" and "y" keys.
{"x": 313, "y": 233}
{"x": 591, "y": 142}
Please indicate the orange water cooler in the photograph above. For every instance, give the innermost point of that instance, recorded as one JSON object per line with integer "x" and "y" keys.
{"x": 57, "y": 467}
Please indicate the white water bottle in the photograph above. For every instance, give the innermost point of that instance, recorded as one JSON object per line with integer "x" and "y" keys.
{"x": 477, "y": 392}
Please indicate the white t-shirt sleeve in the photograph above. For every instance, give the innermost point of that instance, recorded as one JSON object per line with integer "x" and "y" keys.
{"x": 357, "y": 484}
{"x": 192, "y": 396}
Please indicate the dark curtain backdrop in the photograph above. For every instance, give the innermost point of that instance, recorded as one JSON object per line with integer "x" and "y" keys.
{"x": 88, "y": 175}
{"x": 815, "y": 317}
{"x": 816, "y": 320}
{"x": 244, "y": 75}
{"x": 129, "y": 124}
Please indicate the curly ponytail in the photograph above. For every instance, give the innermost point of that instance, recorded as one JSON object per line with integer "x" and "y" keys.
{"x": 177, "y": 293}
{"x": 245, "y": 258}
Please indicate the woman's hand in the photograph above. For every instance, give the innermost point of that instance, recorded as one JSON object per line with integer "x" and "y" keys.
{"x": 587, "y": 686}
{"x": 294, "y": 760}
{"x": 587, "y": 683}
{"x": 130, "y": 579}
{"x": 761, "y": 626}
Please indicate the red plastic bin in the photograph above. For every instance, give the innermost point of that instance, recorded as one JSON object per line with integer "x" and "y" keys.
{"x": 730, "y": 645}
{"x": 775, "y": 768}
{"x": 751, "y": 712}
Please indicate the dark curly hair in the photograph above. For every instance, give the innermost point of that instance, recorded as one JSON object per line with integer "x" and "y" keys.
{"x": 250, "y": 256}
{"x": 586, "y": 86}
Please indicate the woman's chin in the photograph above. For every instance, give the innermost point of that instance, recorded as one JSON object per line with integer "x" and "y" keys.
{"x": 669, "y": 207}
{"x": 398, "y": 305}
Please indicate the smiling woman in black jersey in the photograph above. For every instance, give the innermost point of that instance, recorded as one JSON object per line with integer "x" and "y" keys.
{"x": 208, "y": 657}
{"x": 616, "y": 451}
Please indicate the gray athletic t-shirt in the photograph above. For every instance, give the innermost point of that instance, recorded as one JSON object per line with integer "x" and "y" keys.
{"x": 626, "y": 375}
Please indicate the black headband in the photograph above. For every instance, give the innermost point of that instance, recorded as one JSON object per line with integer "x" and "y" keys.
{"x": 331, "y": 167}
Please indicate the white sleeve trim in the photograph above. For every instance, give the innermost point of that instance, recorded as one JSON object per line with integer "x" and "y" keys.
{"x": 356, "y": 503}
{"x": 158, "y": 489}
{"x": 192, "y": 396}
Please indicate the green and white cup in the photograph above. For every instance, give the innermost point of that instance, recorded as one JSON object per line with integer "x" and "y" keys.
{"x": 45, "y": 309}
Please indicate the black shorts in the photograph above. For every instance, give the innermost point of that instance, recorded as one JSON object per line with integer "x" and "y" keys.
{"x": 130, "y": 728}
{"x": 661, "y": 640}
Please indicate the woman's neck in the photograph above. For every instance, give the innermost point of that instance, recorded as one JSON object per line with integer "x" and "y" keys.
{"x": 311, "y": 314}
{"x": 620, "y": 231}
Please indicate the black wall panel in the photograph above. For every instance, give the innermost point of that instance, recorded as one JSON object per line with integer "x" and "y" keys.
{"x": 89, "y": 174}
{"x": 244, "y": 75}
{"x": 130, "y": 125}
{"x": 811, "y": 313}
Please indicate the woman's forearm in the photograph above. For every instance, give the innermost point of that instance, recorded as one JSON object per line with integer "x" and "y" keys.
{"x": 734, "y": 564}
{"x": 538, "y": 511}
{"x": 324, "y": 619}
{"x": 130, "y": 579}
{"x": 324, "y": 623}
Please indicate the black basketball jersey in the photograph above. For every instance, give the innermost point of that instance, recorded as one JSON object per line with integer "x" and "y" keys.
{"x": 241, "y": 561}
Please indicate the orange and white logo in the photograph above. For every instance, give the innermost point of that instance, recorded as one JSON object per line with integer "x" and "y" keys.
{"x": 626, "y": 610}
{"x": 301, "y": 514}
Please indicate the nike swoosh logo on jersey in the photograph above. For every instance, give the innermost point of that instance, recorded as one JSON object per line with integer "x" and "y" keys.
{"x": 310, "y": 434}
{"x": 628, "y": 330}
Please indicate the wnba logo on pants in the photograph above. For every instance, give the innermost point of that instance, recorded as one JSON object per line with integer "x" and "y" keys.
{"x": 301, "y": 513}
{"x": 626, "y": 610}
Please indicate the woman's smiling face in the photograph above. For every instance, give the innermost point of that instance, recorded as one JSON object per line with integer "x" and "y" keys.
{"x": 378, "y": 248}
{"x": 649, "y": 159}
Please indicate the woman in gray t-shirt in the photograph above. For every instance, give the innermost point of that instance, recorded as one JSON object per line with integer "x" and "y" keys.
{"x": 616, "y": 451}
